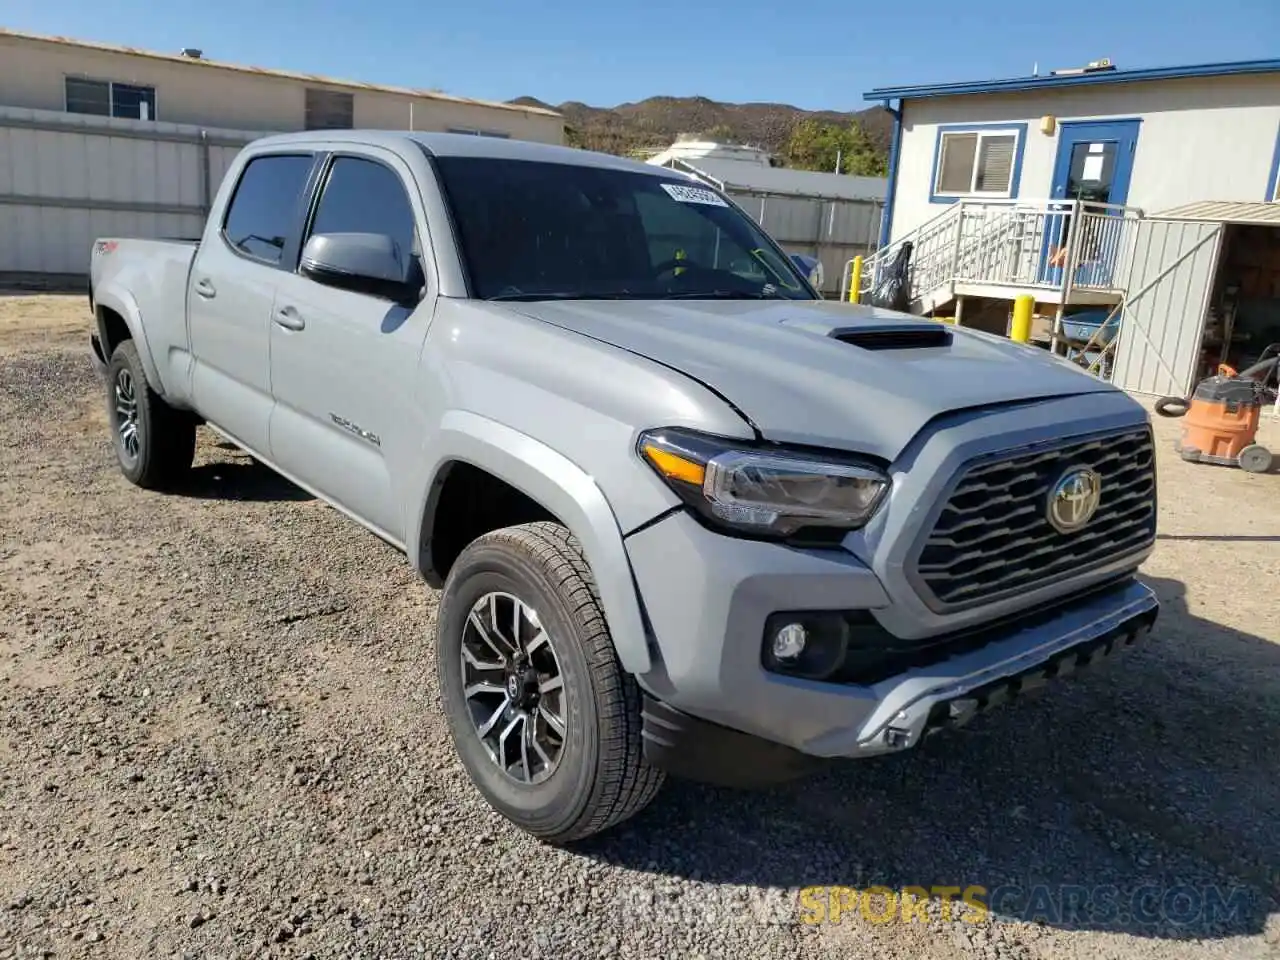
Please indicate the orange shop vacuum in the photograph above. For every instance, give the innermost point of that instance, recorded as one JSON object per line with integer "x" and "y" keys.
{"x": 1222, "y": 415}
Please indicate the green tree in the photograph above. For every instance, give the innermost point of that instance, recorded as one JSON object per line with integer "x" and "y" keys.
{"x": 816, "y": 146}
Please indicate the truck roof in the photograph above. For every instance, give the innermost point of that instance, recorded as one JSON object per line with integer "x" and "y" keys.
{"x": 464, "y": 145}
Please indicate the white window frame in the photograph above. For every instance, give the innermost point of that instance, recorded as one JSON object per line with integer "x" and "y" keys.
{"x": 981, "y": 133}
{"x": 111, "y": 96}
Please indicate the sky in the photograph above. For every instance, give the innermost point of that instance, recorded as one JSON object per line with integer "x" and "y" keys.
{"x": 817, "y": 54}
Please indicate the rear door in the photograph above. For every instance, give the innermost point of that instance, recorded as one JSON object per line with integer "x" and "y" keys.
{"x": 344, "y": 364}
{"x": 232, "y": 289}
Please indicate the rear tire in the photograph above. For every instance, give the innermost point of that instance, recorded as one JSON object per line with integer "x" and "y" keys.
{"x": 531, "y": 583}
{"x": 154, "y": 443}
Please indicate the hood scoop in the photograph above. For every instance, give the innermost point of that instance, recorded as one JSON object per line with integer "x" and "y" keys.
{"x": 915, "y": 337}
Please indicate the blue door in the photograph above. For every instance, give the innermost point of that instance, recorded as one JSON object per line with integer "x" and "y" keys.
{"x": 1094, "y": 163}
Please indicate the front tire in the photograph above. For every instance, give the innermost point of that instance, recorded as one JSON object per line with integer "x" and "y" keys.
{"x": 154, "y": 443}
{"x": 1255, "y": 458}
{"x": 542, "y": 714}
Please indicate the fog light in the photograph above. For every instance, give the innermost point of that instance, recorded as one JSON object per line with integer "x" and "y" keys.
{"x": 811, "y": 644}
{"x": 789, "y": 641}
{"x": 895, "y": 738}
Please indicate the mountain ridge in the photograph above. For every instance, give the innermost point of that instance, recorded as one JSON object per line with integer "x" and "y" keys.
{"x": 652, "y": 124}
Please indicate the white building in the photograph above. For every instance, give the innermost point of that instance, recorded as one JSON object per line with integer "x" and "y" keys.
{"x": 99, "y": 140}
{"x": 1097, "y": 187}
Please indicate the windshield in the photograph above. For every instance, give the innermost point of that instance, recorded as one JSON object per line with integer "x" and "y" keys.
{"x": 533, "y": 230}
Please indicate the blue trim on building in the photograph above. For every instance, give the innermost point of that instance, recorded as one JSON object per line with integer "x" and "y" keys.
{"x": 1271, "y": 180}
{"x": 891, "y": 189}
{"x": 1015, "y": 180}
{"x": 1238, "y": 68}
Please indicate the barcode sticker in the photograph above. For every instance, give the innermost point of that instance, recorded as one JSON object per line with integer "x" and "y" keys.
{"x": 678, "y": 191}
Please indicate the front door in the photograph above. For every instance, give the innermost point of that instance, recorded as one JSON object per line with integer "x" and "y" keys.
{"x": 1093, "y": 165}
{"x": 344, "y": 363}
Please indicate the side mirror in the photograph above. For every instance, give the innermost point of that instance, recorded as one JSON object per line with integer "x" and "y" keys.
{"x": 369, "y": 263}
{"x": 811, "y": 267}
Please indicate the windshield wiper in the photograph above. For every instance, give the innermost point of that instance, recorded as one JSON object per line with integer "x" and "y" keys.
{"x": 722, "y": 295}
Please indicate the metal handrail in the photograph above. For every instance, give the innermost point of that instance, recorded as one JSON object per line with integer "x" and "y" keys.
{"x": 1007, "y": 242}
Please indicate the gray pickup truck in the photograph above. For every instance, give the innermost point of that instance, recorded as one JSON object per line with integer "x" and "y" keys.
{"x": 686, "y": 516}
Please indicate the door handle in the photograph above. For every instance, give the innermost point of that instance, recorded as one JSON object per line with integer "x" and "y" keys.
{"x": 289, "y": 318}
{"x": 205, "y": 289}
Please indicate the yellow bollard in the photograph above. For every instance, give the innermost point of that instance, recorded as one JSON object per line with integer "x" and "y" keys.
{"x": 1020, "y": 329}
{"x": 855, "y": 281}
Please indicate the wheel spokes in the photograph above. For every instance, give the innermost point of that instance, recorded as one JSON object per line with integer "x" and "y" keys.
{"x": 483, "y": 687}
{"x": 554, "y": 722}
{"x": 518, "y": 716}
{"x": 526, "y": 735}
{"x": 494, "y": 717}
{"x": 551, "y": 685}
{"x": 126, "y": 410}
{"x": 539, "y": 640}
{"x": 483, "y": 634}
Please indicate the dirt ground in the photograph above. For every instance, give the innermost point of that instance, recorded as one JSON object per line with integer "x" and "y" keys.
{"x": 219, "y": 738}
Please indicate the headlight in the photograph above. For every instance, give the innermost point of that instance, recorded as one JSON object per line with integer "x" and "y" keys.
{"x": 763, "y": 492}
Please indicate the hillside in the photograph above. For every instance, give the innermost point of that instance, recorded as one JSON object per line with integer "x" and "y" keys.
{"x": 656, "y": 122}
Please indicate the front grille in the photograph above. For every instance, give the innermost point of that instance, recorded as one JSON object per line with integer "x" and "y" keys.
{"x": 993, "y": 537}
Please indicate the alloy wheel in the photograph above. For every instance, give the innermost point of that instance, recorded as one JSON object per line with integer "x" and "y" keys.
{"x": 126, "y": 404}
{"x": 513, "y": 687}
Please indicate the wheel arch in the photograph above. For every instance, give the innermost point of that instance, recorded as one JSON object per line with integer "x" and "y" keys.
{"x": 112, "y": 308}
{"x": 557, "y": 487}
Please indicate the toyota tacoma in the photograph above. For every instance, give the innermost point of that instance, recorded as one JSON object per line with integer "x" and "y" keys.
{"x": 685, "y": 515}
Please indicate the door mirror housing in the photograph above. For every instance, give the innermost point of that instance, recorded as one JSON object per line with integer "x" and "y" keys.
{"x": 369, "y": 263}
{"x": 811, "y": 267}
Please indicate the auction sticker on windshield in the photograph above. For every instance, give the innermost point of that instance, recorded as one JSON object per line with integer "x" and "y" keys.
{"x": 679, "y": 191}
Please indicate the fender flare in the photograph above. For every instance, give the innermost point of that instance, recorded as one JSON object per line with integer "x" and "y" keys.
{"x": 567, "y": 491}
{"x": 120, "y": 301}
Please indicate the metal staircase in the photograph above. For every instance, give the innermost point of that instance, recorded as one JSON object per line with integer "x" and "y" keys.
{"x": 1060, "y": 251}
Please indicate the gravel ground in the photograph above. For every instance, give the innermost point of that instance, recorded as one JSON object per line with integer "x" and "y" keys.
{"x": 219, "y": 738}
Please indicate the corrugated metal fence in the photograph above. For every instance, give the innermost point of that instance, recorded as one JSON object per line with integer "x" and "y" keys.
{"x": 834, "y": 231}
{"x": 68, "y": 178}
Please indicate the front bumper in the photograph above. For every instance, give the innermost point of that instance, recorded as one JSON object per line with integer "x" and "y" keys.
{"x": 708, "y": 630}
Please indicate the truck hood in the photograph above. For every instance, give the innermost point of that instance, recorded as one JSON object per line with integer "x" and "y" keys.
{"x": 796, "y": 370}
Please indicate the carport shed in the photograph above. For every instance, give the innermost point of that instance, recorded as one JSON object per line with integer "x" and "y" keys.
{"x": 1203, "y": 289}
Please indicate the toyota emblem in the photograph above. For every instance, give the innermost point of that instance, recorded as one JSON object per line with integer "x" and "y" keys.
{"x": 1074, "y": 499}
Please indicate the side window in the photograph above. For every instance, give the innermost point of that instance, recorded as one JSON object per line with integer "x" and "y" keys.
{"x": 973, "y": 163}
{"x": 265, "y": 203}
{"x": 362, "y": 196}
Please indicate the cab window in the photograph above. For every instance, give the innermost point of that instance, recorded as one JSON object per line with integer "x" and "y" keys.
{"x": 363, "y": 196}
{"x": 264, "y": 209}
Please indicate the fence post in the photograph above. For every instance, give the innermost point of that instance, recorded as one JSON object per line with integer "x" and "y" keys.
{"x": 1020, "y": 329}
{"x": 955, "y": 250}
{"x": 855, "y": 281}
{"x": 206, "y": 173}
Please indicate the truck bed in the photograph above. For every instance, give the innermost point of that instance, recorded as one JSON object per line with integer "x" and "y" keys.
{"x": 155, "y": 275}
